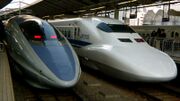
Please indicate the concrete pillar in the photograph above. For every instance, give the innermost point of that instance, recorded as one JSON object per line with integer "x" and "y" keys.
{"x": 116, "y": 13}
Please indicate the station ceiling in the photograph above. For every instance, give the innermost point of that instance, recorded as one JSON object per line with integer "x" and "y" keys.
{"x": 78, "y": 7}
{"x": 4, "y": 3}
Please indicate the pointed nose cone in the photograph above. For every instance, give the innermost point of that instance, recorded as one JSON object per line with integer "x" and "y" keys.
{"x": 59, "y": 59}
{"x": 146, "y": 63}
{"x": 154, "y": 65}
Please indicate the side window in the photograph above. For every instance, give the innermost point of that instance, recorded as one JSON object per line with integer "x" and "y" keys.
{"x": 104, "y": 27}
{"x": 121, "y": 28}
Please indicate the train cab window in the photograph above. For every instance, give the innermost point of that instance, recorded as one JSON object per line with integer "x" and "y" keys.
{"x": 115, "y": 28}
{"x": 104, "y": 27}
{"x": 121, "y": 28}
{"x": 39, "y": 31}
{"x": 59, "y": 37}
{"x": 49, "y": 31}
{"x": 32, "y": 31}
{"x": 52, "y": 33}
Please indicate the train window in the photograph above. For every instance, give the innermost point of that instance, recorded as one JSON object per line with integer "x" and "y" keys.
{"x": 121, "y": 28}
{"x": 125, "y": 40}
{"x": 37, "y": 32}
{"x": 49, "y": 31}
{"x": 32, "y": 31}
{"x": 115, "y": 28}
{"x": 54, "y": 32}
{"x": 59, "y": 37}
{"x": 104, "y": 27}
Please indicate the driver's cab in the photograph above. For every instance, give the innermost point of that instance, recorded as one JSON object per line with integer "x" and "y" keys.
{"x": 38, "y": 31}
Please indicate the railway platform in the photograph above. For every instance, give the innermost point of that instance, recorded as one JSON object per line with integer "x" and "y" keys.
{"x": 6, "y": 86}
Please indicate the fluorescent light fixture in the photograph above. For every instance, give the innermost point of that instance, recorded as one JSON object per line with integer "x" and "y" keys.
{"x": 97, "y": 8}
{"x": 46, "y": 17}
{"x": 59, "y": 15}
{"x": 125, "y": 2}
{"x": 79, "y": 11}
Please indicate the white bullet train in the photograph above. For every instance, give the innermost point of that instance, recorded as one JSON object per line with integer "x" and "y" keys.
{"x": 115, "y": 49}
{"x": 45, "y": 58}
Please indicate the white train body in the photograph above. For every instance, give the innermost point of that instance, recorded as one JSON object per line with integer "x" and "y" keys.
{"x": 115, "y": 49}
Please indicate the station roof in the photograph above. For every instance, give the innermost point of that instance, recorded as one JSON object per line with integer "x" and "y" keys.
{"x": 73, "y": 7}
{"x": 4, "y": 3}
{"x": 79, "y": 7}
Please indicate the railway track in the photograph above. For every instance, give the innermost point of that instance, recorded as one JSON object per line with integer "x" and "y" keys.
{"x": 157, "y": 92}
{"x": 173, "y": 87}
{"x": 24, "y": 92}
{"x": 169, "y": 91}
{"x": 95, "y": 86}
{"x": 98, "y": 88}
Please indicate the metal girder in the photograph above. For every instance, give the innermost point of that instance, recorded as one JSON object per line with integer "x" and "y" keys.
{"x": 150, "y": 1}
{"x": 68, "y": 6}
{"x": 78, "y": 7}
{"x": 86, "y": 2}
{"x": 4, "y": 3}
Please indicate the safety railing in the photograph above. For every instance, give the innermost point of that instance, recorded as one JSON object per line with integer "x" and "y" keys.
{"x": 176, "y": 48}
{"x": 170, "y": 46}
{"x": 167, "y": 45}
{"x": 1, "y": 47}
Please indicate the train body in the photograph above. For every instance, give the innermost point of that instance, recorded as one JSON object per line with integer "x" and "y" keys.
{"x": 45, "y": 58}
{"x": 115, "y": 49}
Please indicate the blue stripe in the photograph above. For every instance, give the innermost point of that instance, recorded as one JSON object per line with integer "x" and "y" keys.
{"x": 78, "y": 43}
{"x": 59, "y": 59}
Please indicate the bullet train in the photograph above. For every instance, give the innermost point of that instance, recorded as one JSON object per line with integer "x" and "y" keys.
{"x": 115, "y": 49}
{"x": 43, "y": 56}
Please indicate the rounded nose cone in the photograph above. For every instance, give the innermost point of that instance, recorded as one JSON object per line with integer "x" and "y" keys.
{"x": 157, "y": 66}
{"x": 146, "y": 64}
{"x": 59, "y": 60}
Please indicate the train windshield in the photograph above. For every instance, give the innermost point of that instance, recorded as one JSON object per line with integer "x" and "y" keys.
{"x": 39, "y": 31}
{"x": 115, "y": 28}
{"x": 51, "y": 32}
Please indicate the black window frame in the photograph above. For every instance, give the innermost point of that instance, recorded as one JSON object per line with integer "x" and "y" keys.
{"x": 122, "y": 28}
